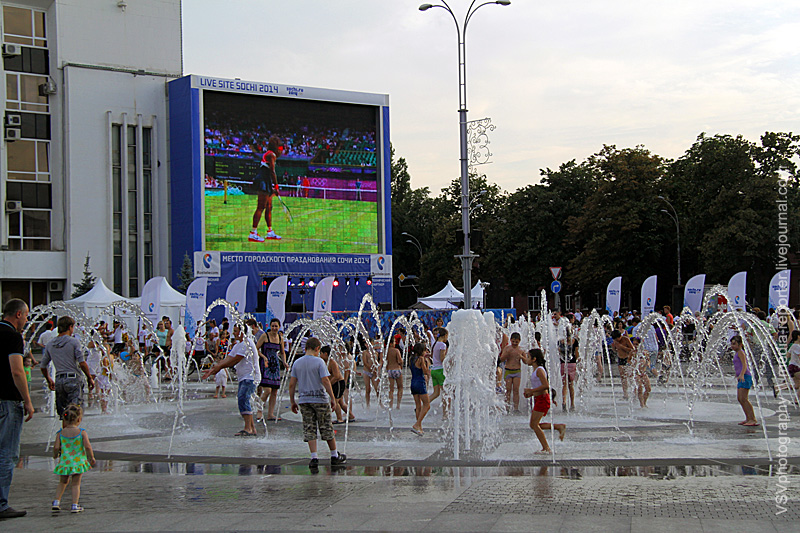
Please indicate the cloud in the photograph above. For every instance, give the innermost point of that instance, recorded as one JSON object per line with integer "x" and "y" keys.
{"x": 558, "y": 80}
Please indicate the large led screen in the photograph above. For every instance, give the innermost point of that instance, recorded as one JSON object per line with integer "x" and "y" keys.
{"x": 324, "y": 194}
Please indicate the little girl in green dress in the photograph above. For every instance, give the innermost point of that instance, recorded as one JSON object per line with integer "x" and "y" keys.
{"x": 74, "y": 454}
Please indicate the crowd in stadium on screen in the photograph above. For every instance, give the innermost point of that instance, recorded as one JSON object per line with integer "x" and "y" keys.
{"x": 300, "y": 142}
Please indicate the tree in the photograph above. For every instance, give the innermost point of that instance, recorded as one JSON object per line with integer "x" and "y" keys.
{"x": 727, "y": 200}
{"x": 533, "y": 230}
{"x": 88, "y": 281}
{"x": 619, "y": 230}
{"x": 186, "y": 275}
{"x": 411, "y": 213}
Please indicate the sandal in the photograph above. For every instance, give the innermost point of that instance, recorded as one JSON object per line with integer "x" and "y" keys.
{"x": 337, "y": 422}
{"x": 242, "y": 433}
{"x": 273, "y": 419}
{"x": 415, "y": 431}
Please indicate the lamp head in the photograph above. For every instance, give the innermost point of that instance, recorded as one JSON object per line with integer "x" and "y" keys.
{"x": 503, "y": 2}
{"x": 425, "y": 7}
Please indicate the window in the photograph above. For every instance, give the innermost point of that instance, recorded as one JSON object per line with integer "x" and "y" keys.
{"x": 31, "y": 292}
{"x": 22, "y": 92}
{"x": 147, "y": 200}
{"x": 28, "y": 159}
{"x": 116, "y": 186}
{"x": 24, "y": 26}
{"x": 132, "y": 190}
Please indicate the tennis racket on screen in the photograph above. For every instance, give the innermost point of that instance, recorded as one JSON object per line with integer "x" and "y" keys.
{"x": 286, "y": 211}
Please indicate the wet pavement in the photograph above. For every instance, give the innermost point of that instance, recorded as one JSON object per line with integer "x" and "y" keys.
{"x": 633, "y": 470}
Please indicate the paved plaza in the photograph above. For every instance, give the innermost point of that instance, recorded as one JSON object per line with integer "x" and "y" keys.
{"x": 623, "y": 470}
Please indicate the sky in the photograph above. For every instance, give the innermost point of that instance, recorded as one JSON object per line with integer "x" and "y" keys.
{"x": 559, "y": 79}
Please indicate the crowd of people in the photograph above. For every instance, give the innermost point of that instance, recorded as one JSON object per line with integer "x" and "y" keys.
{"x": 640, "y": 356}
{"x": 320, "y": 377}
{"x": 299, "y": 141}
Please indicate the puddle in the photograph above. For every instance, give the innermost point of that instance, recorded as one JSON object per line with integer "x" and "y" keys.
{"x": 660, "y": 472}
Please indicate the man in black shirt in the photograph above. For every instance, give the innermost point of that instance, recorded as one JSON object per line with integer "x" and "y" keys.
{"x": 15, "y": 401}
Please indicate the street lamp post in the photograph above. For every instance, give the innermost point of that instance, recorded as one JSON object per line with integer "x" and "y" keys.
{"x": 674, "y": 216}
{"x": 413, "y": 240}
{"x": 461, "y": 31}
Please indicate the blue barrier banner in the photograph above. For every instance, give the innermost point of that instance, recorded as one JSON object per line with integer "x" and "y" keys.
{"x": 428, "y": 317}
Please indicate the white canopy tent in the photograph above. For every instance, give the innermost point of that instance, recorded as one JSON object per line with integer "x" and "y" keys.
{"x": 447, "y": 298}
{"x": 100, "y": 296}
{"x": 173, "y": 303}
{"x": 477, "y": 294}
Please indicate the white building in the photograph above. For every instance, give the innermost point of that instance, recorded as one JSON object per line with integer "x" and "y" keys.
{"x": 85, "y": 99}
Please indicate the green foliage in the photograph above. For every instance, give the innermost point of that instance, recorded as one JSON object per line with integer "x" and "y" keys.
{"x": 619, "y": 230}
{"x": 603, "y": 217}
{"x": 186, "y": 275}
{"x": 87, "y": 283}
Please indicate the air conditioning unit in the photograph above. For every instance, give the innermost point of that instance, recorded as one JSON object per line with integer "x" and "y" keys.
{"x": 14, "y": 120}
{"x": 13, "y": 206}
{"x": 56, "y": 286}
{"x": 47, "y": 88}
{"x": 12, "y": 50}
{"x": 13, "y": 134}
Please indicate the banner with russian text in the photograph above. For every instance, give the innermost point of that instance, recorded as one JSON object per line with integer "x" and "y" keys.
{"x": 237, "y": 295}
{"x": 649, "y": 295}
{"x": 614, "y": 295}
{"x": 322, "y": 297}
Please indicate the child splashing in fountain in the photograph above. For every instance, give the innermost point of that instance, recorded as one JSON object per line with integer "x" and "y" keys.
{"x": 75, "y": 456}
{"x": 540, "y": 391}
{"x": 512, "y": 356}
{"x": 641, "y": 364}
{"x": 745, "y": 381}
{"x": 420, "y": 372}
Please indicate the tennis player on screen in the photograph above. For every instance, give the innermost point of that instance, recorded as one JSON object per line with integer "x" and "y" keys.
{"x": 266, "y": 186}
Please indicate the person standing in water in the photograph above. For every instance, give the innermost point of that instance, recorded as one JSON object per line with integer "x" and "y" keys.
{"x": 622, "y": 344}
{"x": 745, "y": 381}
{"x": 437, "y": 366}
{"x": 394, "y": 368}
{"x": 540, "y": 392}
{"x": 420, "y": 372}
{"x": 512, "y": 356}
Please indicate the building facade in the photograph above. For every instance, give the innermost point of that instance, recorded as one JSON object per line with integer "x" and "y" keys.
{"x": 83, "y": 162}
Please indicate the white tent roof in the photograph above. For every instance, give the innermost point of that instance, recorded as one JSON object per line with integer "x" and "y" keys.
{"x": 477, "y": 291}
{"x": 99, "y": 296}
{"x": 173, "y": 303}
{"x": 448, "y": 294}
{"x": 169, "y": 296}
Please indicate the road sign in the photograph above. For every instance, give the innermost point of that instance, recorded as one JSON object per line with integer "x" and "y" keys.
{"x": 555, "y": 287}
{"x": 556, "y": 272}
{"x": 401, "y": 277}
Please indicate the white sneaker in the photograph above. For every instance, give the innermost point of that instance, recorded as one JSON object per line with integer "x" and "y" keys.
{"x": 255, "y": 237}
{"x": 271, "y": 235}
